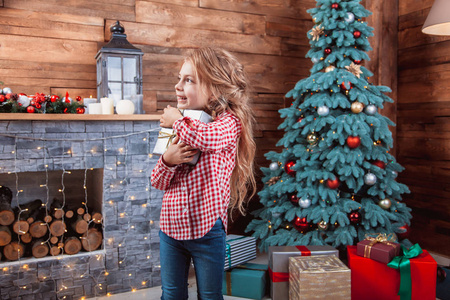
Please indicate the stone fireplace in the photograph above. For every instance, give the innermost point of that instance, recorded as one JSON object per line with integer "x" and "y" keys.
{"x": 104, "y": 164}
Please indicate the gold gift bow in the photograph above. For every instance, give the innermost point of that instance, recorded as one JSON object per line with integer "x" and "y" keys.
{"x": 163, "y": 135}
{"x": 381, "y": 238}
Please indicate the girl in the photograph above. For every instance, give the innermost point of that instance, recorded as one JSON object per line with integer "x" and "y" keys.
{"x": 193, "y": 218}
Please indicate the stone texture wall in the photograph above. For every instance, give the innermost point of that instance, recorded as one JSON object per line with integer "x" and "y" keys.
{"x": 129, "y": 258}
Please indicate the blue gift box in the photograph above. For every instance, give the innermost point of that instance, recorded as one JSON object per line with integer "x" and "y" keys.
{"x": 246, "y": 281}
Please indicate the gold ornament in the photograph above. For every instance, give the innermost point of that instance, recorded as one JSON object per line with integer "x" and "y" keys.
{"x": 312, "y": 138}
{"x": 330, "y": 68}
{"x": 273, "y": 180}
{"x": 385, "y": 203}
{"x": 357, "y": 107}
{"x": 316, "y": 32}
{"x": 322, "y": 225}
{"x": 354, "y": 69}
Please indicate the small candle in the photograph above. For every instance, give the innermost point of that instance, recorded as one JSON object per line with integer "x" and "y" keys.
{"x": 87, "y": 101}
{"x": 95, "y": 108}
{"x": 107, "y": 106}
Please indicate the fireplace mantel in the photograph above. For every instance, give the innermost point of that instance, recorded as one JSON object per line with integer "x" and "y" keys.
{"x": 76, "y": 117}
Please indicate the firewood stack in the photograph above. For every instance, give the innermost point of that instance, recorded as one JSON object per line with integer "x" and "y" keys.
{"x": 32, "y": 230}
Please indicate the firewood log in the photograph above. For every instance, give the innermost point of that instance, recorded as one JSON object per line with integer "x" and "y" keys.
{"x": 39, "y": 248}
{"x": 38, "y": 229}
{"x": 80, "y": 210}
{"x": 97, "y": 217}
{"x": 69, "y": 214}
{"x": 55, "y": 250}
{"x": 13, "y": 251}
{"x": 32, "y": 210}
{"x": 72, "y": 245}
{"x": 6, "y": 213}
{"x": 92, "y": 239}
{"x": 56, "y": 208}
{"x": 79, "y": 225}
{"x": 21, "y": 227}
{"x": 5, "y": 235}
{"x": 57, "y": 227}
{"x": 26, "y": 238}
{"x": 87, "y": 217}
{"x": 54, "y": 240}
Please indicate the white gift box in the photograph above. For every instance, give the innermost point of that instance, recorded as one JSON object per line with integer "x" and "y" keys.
{"x": 166, "y": 135}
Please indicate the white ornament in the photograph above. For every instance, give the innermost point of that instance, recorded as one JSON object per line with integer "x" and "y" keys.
{"x": 304, "y": 203}
{"x": 323, "y": 111}
{"x": 24, "y": 100}
{"x": 274, "y": 166}
{"x": 370, "y": 109}
{"x": 6, "y": 90}
{"x": 125, "y": 107}
{"x": 330, "y": 69}
{"x": 370, "y": 179}
{"x": 315, "y": 60}
{"x": 394, "y": 173}
{"x": 350, "y": 18}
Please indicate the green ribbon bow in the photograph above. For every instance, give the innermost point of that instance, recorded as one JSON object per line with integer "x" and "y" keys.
{"x": 402, "y": 263}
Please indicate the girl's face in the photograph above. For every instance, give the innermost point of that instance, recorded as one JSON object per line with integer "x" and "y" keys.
{"x": 188, "y": 90}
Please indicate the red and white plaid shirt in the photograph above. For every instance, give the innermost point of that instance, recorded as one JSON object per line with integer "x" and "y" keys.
{"x": 196, "y": 196}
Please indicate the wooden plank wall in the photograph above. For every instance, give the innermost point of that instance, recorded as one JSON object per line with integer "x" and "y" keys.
{"x": 423, "y": 131}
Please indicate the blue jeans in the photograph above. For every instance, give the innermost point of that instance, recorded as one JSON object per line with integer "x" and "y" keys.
{"x": 208, "y": 255}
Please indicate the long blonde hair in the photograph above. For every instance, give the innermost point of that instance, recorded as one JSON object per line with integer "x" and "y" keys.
{"x": 220, "y": 73}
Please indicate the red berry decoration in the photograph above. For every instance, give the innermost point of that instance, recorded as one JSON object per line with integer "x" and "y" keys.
{"x": 33, "y": 102}
{"x": 31, "y": 109}
{"x": 2, "y": 98}
{"x": 301, "y": 224}
{"x": 66, "y": 110}
{"x": 405, "y": 234}
{"x": 78, "y": 98}
{"x": 54, "y": 98}
{"x": 333, "y": 184}
{"x": 358, "y": 62}
{"x": 327, "y": 51}
{"x": 299, "y": 120}
{"x": 345, "y": 86}
{"x": 38, "y": 106}
{"x": 80, "y": 110}
{"x": 289, "y": 168}
{"x": 334, "y": 6}
{"x": 379, "y": 164}
{"x": 353, "y": 142}
{"x": 354, "y": 217}
{"x": 294, "y": 199}
{"x": 357, "y": 34}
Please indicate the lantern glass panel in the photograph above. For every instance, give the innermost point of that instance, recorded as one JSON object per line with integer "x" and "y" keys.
{"x": 99, "y": 72}
{"x": 115, "y": 90}
{"x": 114, "y": 68}
{"x": 129, "y": 69}
{"x": 129, "y": 89}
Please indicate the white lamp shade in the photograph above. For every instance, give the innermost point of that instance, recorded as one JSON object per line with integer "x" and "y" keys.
{"x": 438, "y": 20}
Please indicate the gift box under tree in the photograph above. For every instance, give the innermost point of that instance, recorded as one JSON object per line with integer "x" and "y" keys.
{"x": 372, "y": 280}
{"x": 246, "y": 281}
{"x": 381, "y": 248}
{"x": 239, "y": 249}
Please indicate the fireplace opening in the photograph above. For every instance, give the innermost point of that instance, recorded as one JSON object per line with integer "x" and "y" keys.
{"x": 50, "y": 213}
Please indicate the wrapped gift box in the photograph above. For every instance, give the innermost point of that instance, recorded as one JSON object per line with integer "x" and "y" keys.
{"x": 382, "y": 252}
{"x": 279, "y": 265}
{"x": 166, "y": 135}
{"x": 246, "y": 281}
{"x": 372, "y": 280}
{"x": 239, "y": 249}
{"x": 318, "y": 277}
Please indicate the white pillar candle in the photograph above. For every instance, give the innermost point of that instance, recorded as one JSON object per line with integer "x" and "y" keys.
{"x": 95, "y": 108}
{"x": 86, "y": 102}
{"x": 107, "y": 106}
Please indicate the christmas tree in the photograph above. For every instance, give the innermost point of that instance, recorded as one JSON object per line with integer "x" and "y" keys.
{"x": 334, "y": 181}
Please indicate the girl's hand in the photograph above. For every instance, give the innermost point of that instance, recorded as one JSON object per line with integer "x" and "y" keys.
{"x": 178, "y": 153}
{"x": 170, "y": 115}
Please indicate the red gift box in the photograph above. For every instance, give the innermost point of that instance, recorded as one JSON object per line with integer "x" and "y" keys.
{"x": 372, "y": 280}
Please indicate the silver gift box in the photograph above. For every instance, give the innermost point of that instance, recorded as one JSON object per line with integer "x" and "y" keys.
{"x": 279, "y": 263}
{"x": 166, "y": 135}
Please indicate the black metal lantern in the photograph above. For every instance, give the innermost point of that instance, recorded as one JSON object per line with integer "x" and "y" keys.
{"x": 119, "y": 67}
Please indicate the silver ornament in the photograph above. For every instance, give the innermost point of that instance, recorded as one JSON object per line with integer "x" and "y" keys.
{"x": 315, "y": 60}
{"x": 330, "y": 69}
{"x": 304, "y": 203}
{"x": 322, "y": 225}
{"x": 323, "y": 111}
{"x": 6, "y": 90}
{"x": 394, "y": 173}
{"x": 370, "y": 179}
{"x": 370, "y": 109}
{"x": 24, "y": 100}
{"x": 350, "y": 18}
{"x": 385, "y": 203}
{"x": 274, "y": 166}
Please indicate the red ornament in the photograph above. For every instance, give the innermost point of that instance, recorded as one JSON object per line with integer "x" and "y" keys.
{"x": 357, "y": 34}
{"x": 299, "y": 120}
{"x": 54, "y": 98}
{"x": 333, "y": 184}
{"x": 354, "y": 217}
{"x": 353, "y": 142}
{"x": 33, "y": 102}
{"x": 327, "y": 51}
{"x": 38, "y": 106}
{"x": 2, "y": 98}
{"x": 8, "y": 96}
{"x": 78, "y": 98}
{"x": 301, "y": 224}
{"x": 31, "y": 109}
{"x": 405, "y": 234}
{"x": 334, "y": 6}
{"x": 289, "y": 168}
{"x": 345, "y": 86}
{"x": 293, "y": 198}
{"x": 379, "y": 164}
{"x": 80, "y": 110}
{"x": 358, "y": 62}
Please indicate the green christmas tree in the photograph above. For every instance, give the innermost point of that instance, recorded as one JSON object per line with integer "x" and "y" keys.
{"x": 334, "y": 181}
